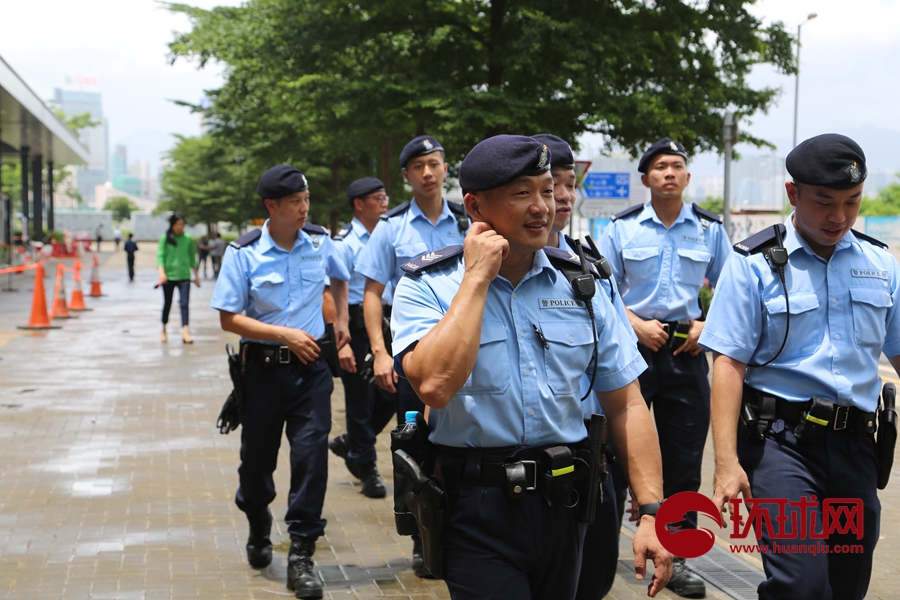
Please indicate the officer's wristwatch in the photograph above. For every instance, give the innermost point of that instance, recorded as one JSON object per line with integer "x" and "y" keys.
{"x": 649, "y": 509}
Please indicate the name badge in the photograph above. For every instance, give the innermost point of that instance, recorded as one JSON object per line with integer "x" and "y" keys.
{"x": 561, "y": 303}
{"x": 869, "y": 273}
{"x": 311, "y": 257}
{"x": 694, "y": 239}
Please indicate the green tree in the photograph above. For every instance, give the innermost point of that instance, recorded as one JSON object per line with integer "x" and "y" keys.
{"x": 714, "y": 204}
{"x": 338, "y": 87}
{"x": 885, "y": 204}
{"x": 205, "y": 185}
{"x": 121, "y": 207}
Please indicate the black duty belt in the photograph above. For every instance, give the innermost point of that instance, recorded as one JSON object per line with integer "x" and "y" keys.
{"x": 496, "y": 462}
{"x": 843, "y": 418}
{"x": 273, "y": 356}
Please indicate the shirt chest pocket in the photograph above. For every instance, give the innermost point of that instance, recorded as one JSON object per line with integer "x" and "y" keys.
{"x": 312, "y": 276}
{"x": 571, "y": 349}
{"x": 407, "y": 252}
{"x": 869, "y": 307}
{"x": 641, "y": 264}
{"x": 806, "y": 330}
{"x": 693, "y": 262}
{"x": 491, "y": 373}
{"x": 268, "y": 292}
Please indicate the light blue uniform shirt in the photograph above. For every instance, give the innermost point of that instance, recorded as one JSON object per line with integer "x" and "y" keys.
{"x": 844, "y": 312}
{"x": 519, "y": 392}
{"x": 403, "y": 237}
{"x": 278, "y": 287}
{"x": 660, "y": 271}
{"x": 348, "y": 250}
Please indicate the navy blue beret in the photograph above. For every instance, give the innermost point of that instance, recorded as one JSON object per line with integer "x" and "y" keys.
{"x": 663, "y": 146}
{"x": 500, "y": 159}
{"x": 420, "y": 146}
{"x": 281, "y": 181}
{"x": 560, "y": 152}
{"x": 363, "y": 187}
{"x": 830, "y": 160}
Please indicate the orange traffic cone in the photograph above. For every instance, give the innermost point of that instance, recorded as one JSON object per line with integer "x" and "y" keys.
{"x": 77, "y": 303}
{"x": 60, "y": 310}
{"x": 95, "y": 279}
{"x": 39, "y": 319}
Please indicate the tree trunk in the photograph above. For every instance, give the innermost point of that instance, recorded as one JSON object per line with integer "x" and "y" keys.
{"x": 386, "y": 164}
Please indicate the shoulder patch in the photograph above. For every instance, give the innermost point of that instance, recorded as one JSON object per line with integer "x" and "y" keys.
{"x": 759, "y": 241}
{"x": 313, "y": 229}
{"x": 870, "y": 239}
{"x": 633, "y": 210}
{"x": 705, "y": 214}
{"x": 565, "y": 260}
{"x": 246, "y": 239}
{"x": 419, "y": 265}
{"x": 397, "y": 210}
{"x": 343, "y": 232}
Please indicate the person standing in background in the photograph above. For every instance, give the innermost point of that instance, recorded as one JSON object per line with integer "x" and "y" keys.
{"x": 117, "y": 237}
{"x": 216, "y": 251}
{"x": 130, "y": 248}
{"x": 176, "y": 257}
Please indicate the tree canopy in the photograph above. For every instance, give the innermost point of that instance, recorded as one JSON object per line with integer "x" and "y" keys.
{"x": 337, "y": 88}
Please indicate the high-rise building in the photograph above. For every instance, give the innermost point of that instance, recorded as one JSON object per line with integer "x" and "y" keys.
{"x": 79, "y": 94}
{"x": 118, "y": 164}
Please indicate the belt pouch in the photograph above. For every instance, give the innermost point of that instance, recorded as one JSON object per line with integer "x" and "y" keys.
{"x": 559, "y": 475}
{"x": 814, "y": 420}
{"x": 887, "y": 435}
{"x": 678, "y": 337}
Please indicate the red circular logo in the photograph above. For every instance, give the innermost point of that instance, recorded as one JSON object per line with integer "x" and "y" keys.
{"x": 686, "y": 543}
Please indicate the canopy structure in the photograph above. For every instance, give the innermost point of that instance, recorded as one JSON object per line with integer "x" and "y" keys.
{"x": 31, "y": 135}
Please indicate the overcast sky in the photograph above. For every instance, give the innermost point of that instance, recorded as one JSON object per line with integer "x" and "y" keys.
{"x": 849, "y": 82}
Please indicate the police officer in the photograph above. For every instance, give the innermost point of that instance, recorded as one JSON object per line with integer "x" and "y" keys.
{"x": 660, "y": 254}
{"x": 425, "y": 223}
{"x": 494, "y": 341}
{"x": 369, "y": 408}
{"x": 601, "y": 541}
{"x": 801, "y": 351}
{"x": 269, "y": 292}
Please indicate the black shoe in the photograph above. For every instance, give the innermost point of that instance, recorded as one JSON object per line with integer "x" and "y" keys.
{"x": 418, "y": 560}
{"x": 259, "y": 546}
{"x": 300, "y": 577}
{"x": 372, "y": 485}
{"x": 339, "y": 446}
{"x": 684, "y": 582}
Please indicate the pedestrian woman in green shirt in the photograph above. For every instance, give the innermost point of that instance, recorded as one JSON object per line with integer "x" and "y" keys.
{"x": 175, "y": 259}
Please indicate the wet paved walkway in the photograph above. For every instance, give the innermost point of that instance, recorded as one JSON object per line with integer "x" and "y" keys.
{"x": 114, "y": 483}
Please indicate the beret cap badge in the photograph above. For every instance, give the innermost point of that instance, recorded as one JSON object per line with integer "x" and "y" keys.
{"x": 854, "y": 173}
{"x": 673, "y": 146}
{"x": 544, "y": 157}
{"x": 428, "y": 145}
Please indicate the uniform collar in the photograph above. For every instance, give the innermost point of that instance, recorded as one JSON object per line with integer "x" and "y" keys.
{"x": 359, "y": 228}
{"x": 649, "y": 212}
{"x": 542, "y": 263}
{"x": 794, "y": 241}
{"x": 415, "y": 211}
{"x": 266, "y": 242}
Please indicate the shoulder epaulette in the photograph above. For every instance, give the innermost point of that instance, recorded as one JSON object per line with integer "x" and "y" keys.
{"x": 429, "y": 260}
{"x": 705, "y": 214}
{"x": 632, "y": 210}
{"x": 313, "y": 229}
{"x": 246, "y": 239}
{"x": 870, "y": 239}
{"x": 566, "y": 261}
{"x": 397, "y": 210}
{"x": 759, "y": 241}
{"x": 456, "y": 208}
{"x": 343, "y": 232}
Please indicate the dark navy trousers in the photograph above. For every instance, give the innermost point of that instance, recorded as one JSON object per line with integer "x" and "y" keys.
{"x": 600, "y": 552}
{"x": 369, "y": 408}
{"x": 677, "y": 387}
{"x": 841, "y": 464}
{"x": 285, "y": 398}
{"x": 499, "y": 548}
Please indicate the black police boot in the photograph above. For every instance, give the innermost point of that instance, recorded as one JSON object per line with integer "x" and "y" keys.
{"x": 300, "y": 577}
{"x": 341, "y": 448}
{"x": 259, "y": 546}
{"x": 684, "y": 582}
{"x": 372, "y": 485}
{"x": 418, "y": 561}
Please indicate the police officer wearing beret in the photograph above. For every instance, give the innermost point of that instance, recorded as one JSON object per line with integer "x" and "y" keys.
{"x": 660, "y": 254}
{"x": 369, "y": 408}
{"x": 797, "y": 356}
{"x": 601, "y": 541}
{"x": 269, "y": 292}
{"x": 425, "y": 223}
{"x": 493, "y": 339}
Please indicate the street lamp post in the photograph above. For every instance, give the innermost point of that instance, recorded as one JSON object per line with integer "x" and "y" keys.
{"x": 809, "y": 17}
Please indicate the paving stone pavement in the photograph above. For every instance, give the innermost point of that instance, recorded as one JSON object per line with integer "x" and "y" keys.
{"x": 114, "y": 483}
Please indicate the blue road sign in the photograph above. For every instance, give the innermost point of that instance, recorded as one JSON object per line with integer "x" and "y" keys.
{"x": 607, "y": 185}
